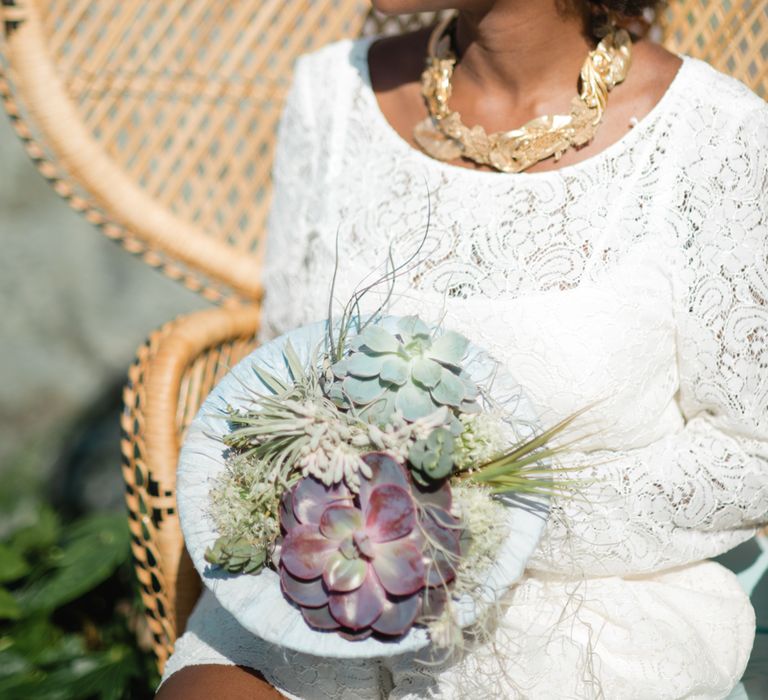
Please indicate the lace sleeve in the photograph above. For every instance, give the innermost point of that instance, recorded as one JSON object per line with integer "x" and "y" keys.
{"x": 293, "y": 171}
{"x": 723, "y": 342}
{"x": 703, "y": 489}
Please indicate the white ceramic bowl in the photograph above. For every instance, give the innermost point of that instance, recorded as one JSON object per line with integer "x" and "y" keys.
{"x": 256, "y": 601}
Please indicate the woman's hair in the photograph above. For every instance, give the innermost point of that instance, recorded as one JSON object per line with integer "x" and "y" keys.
{"x": 626, "y": 8}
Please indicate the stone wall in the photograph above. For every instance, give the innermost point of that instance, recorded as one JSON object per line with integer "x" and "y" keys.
{"x": 73, "y": 308}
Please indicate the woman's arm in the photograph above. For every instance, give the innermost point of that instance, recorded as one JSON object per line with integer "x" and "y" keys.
{"x": 704, "y": 489}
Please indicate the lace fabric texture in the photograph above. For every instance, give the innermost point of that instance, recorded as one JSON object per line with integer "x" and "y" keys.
{"x": 634, "y": 282}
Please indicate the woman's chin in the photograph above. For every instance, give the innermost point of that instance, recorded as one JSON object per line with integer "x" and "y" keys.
{"x": 404, "y": 7}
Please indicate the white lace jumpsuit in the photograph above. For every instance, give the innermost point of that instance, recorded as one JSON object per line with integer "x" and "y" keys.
{"x": 637, "y": 281}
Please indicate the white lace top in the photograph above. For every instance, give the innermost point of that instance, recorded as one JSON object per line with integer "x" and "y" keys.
{"x": 636, "y": 282}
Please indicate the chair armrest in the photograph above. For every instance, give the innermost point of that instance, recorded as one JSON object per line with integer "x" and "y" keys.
{"x": 173, "y": 373}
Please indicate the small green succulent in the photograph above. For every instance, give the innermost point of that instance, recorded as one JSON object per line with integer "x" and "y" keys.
{"x": 236, "y": 556}
{"x": 432, "y": 459}
{"x": 408, "y": 370}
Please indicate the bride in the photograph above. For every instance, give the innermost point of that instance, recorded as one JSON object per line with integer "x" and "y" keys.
{"x": 615, "y": 257}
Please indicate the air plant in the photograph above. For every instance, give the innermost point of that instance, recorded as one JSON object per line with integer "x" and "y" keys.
{"x": 527, "y": 467}
{"x": 350, "y": 317}
{"x": 360, "y": 563}
{"x": 297, "y": 430}
{"x": 409, "y": 371}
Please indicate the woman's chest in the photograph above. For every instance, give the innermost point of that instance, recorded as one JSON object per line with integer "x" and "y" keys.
{"x": 466, "y": 233}
{"x": 578, "y": 315}
{"x": 567, "y": 280}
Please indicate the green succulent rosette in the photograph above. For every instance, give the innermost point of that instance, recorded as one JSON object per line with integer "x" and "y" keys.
{"x": 432, "y": 458}
{"x": 411, "y": 370}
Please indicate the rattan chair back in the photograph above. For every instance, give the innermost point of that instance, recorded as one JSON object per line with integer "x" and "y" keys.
{"x": 157, "y": 119}
{"x": 731, "y": 35}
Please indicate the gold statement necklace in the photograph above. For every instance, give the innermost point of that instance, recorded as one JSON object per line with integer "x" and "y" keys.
{"x": 443, "y": 136}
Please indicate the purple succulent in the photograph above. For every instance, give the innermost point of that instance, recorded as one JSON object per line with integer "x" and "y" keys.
{"x": 360, "y": 563}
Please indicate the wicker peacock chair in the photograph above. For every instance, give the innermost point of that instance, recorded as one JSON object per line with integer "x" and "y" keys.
{"x": 156, "y": 120}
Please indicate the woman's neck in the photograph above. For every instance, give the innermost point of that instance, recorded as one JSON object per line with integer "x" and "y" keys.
{"x": 520, "y": 47}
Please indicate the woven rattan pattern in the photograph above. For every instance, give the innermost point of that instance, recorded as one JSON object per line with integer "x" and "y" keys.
{"x": 173, "y": 373}
{"x": 144, "y": 515}
{"x": 82, "y": 202}
{"x": 178, "y": 104}
{"x": 732, "y": 35}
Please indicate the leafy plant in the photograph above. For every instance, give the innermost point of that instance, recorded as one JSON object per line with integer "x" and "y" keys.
{"x": 69, "y": 612}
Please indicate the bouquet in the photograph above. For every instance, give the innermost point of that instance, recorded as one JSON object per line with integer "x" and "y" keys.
{"x": 365, "y": 487}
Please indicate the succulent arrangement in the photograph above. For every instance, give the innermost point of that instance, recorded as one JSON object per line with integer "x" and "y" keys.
{"x": 367, "y": 481}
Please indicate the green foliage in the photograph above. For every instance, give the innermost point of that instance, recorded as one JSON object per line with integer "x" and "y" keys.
{"x": 9, "y": 608}
{"x": 12, "y": 564}
{"x": 88, "y": 552}
{"x": 69, "y": 612}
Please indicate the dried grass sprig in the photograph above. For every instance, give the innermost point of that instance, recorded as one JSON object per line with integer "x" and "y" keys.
{"x": 351, "y": 312}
